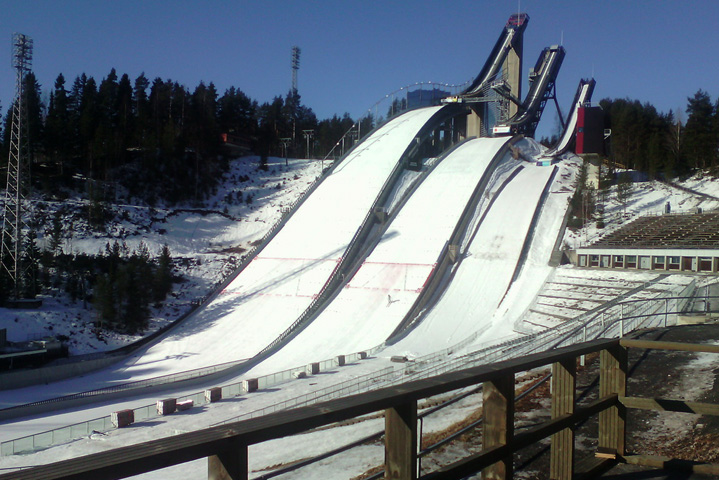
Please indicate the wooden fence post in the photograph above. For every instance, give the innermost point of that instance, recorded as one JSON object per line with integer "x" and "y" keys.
{"x": 400, "y": 442}
{"x": 498, "y": 406}
{"x": 613, "y": 379}
{"x": 564, "y": 375}
{"x": 229, "y": 465}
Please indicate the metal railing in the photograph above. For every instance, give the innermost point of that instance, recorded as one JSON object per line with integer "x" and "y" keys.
{"x": 226, "y": 446}
{"x": 43, "y": 440}
{"x": 615, "y": 321}
{"x": 389, "y": 104}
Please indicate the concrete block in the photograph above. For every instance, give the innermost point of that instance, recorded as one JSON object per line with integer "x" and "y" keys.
{"x": 692, "y": 319}
{"x": 166, "y": 406}
{"x": 340, "y": 360}
{"x": 299, "y": 374}
{"x": 122, "y": 418}
{"x": 313, "y": 368}
{"x": 362, "y": 355}
{"x": 453, "y": 254}
{"x": 213, "y": 394}
{"x": 185, "y": 405}
{"x": 251, "y": 385}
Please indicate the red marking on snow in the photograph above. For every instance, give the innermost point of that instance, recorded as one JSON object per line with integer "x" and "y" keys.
{"x": 402, "y": 264}
{"x": 260, "y": 294}
{"x": 394, "y": 289}
{"x": 382, "y": 289}
{"x": 300, "y": 259}
{"x": 427, "y": 279}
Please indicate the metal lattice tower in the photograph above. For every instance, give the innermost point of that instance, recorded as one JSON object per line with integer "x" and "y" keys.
{"x": 295, "y": 67}
{"x": 13, "y": 224}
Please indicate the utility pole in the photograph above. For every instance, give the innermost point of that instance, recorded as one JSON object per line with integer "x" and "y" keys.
{"x": 308, "y": 134}
{"x": 13, "y": 224}
{"x": 285, "y": 143}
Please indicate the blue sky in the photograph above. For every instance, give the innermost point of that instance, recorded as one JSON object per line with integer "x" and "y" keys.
{"x": 354, "y": 53}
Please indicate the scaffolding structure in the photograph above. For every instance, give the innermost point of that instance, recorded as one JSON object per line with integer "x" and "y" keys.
{"x": 13, "y": 224}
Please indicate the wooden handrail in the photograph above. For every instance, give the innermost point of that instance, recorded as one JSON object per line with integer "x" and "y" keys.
{"x": 226, "y": 446}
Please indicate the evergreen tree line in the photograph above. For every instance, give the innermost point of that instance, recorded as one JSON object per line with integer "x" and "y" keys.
{"x": 121, "y": 285}
{"x": 158, "y": 139}
{"x": 661, "y": 144}
{"x": 126, "y": 284}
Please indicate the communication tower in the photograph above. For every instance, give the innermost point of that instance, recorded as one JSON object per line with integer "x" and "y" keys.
{"x": 13, "y": 224}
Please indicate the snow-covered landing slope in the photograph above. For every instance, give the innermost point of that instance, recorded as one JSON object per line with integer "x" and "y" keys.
{"x": 277, "y": 286}
{"x": 484, "y": 275}
{"x": 385, "y": 287}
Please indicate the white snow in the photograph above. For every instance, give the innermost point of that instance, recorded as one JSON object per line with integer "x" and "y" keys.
{"x": 383, "y": 290}
{"x": 473, "y": 295}
{"x": 281, "y": 282}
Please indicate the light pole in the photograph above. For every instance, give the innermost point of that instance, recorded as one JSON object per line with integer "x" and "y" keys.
{"x": 285, "y": 144}
{"x": 308, "y": 134}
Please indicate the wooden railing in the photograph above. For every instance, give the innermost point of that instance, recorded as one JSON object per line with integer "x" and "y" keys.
{"x": 226, "y": 446}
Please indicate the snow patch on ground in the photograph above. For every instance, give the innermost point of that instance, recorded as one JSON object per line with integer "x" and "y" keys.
{"x": 207, "y": 244}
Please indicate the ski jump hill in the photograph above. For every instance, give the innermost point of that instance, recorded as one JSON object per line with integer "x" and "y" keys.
{"x": 413, "y": 241}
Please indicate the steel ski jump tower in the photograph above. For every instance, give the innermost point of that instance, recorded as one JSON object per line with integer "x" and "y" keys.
{"x": 495, "y": 94}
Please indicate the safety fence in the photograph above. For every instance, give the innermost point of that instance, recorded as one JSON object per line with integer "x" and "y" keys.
{"x": 387, "y": 108}
{"x": 172, "y": 378}
{"x": 350, "y": 387}
{"x": 43, "y": 440}
{"x": 615, "y": 321}
{"x": 226, "y": 447}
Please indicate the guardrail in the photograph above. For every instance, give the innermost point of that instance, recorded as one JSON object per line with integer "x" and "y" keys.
{"x": 393, "y": 109}
{"x": 226, "y": 446}
{"x": 173, "y": 378}
{"x": 43, "y": 440}
{"x": 630, "y": 315}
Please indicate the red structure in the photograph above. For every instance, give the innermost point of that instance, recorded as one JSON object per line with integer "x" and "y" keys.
{"x": 590, "y": 130}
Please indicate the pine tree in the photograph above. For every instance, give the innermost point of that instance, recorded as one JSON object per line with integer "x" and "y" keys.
{"x": 674, "y": 142}
{"x": 88, "y": 117}
{"x": 104, "y": 300}
{"x": 624, "y": 189}
{"x": 163, "y": 275}
{"x": 125, "y": 120}
{"x": 141, "y": 111}
{"x": 106, "y": 135}
{"x": 237, "y": 113}
{"x": 35, "y": 109}
{"x": 58, "y": 129}
{"x": 700, "y": 137}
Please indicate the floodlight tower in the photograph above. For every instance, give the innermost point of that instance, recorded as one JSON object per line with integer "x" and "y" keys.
{"x": 12, "y": 225}
{"x": 295, "y": 67}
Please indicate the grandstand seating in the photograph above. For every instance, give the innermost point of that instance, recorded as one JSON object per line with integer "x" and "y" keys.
{"x": 696, "y": 231}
